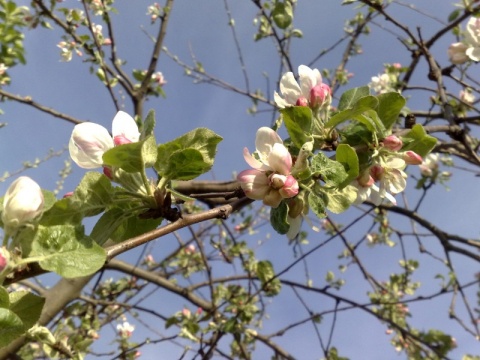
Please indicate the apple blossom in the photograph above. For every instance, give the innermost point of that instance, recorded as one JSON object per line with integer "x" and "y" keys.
{"x": 125, "y": 330}
{"x": 270, "y": 179}
{"x": 310, "y": 92}
{"x": 381, "y": 83}
{"x": 467, "y": 96}
{"x": 412, "y": 158}
{"x": 429, "y": 165}
{"x": 472, "y": 38}
{"x": 90, "y": 141}
{"x": 22, "y": 203}
{"x": 457, "y": 53}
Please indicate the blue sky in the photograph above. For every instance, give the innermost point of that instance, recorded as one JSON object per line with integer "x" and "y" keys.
{"x": 200, "y": 27}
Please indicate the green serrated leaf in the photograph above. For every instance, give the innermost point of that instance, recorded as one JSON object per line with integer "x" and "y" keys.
{"x": 133, "y": 157}
{"x": 389, "y": 107}
{"x": 331, "y": 171}
{"x": 278, "y": 218}
{"x": 298, "y": 121}
{"x": 350, "y": 97}
{"x": 65, "y": 250}
{"x": 148, "y": 125}
{"x": 27, "y": 306}
{"x": 11, "y": 327}
{"x": 317, "y": 204}
{"x": 188, "y": 156}
{"x": 355, "y": 112}
{"x": 419, "y": 141}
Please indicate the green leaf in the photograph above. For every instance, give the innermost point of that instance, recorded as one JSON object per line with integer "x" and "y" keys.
{"x": 266, "y": 274}
{"x": 278, "y": 218}
{"x": 350, "y": 97}
{"x": 134, "y": 226}
{"x": 27, "y": 306}
{"x": 188, "y": 156}
{"x": 331, "y": 171}
{"x": 107, "y": 224}
{"x": 316, "y": 202}
{"x": 133, "y": 157}
{"x": 340, "y": 200}
{"x": 4, "y": 299}
{"x": 11, "y": 327}
{"x": 282, "y": 14}
{"x": 49, "y": 199}
{"x": 419, "y": 141}
{"x": 90, "y": 198}
{"x": 358, "y": 108}
{"x": 65, "y": 250}
{"x": 148, "y": 125}
{"x": 347, "y": 156}
{"x": 298, "y": 121}
{"x": 389, "y": 107}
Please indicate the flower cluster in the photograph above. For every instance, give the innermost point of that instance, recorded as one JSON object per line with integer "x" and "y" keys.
{"x": 311, "y": 91}
{"x": 155, "y": 11}
{"x": 270, "y": 179}
{"x": 89, "y": 141}
{"x": 97, "y": 32}
{"x": 67, "y": 48}
{"x": 386, "y": 170}
{"x": 386, "y": 82}
{"x": 469, "y": 48}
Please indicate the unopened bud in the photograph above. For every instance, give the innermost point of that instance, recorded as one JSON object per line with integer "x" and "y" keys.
{"x": 301, "y": 101}
{"x": 377, "y": 172}
{"x": 4, "y": 258}
{"x": 392, "y": 143}
{"x": 412, "y": 158}
{"x": 290, "y": 187}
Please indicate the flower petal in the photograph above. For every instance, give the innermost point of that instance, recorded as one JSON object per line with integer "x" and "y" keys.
{"x": 88, "y": 143}
{"x": 308, "y": 79}
{"x": 123, "y": 125}
{"x": 289, "y": 88}
{"x": 280, "y": 159}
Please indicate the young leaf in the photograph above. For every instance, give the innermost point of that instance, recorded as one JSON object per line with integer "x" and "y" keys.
{"x": 350, "y": 97}
{"x": 332, "y": 172}
{"x": 340, "y": 200}
{"x": 347, "y": 156}
{"x": 359, "y": 107}
{"x": 389, "y": 107}
{"x": 298, "y": 121}
{"x": 4, "y": 299}
{"x": 11, "y": 327}
{"x": 282, "y": 14}
{"x": 133, "y": 157}
{"x": 266, "y": 274}
{"x": 278, "y": 218}
{"x": 188, "y": 156}
{"x": 27, "y": 306}
{"x": 419, "y": 141}
{"x": 65, "y": 250}
{"x": 148, "y": 125}
{"x": 317, "y": 204}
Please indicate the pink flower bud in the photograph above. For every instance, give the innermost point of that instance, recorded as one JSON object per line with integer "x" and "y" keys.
{"x": 301, "y": 101}
{"x": 377, "y": 172}
{"x": 107, "y": 171}
{"x": 68, "y": 194}
{"x": 186, "y": 312}
{"x": 22, "y": 203}
{"x": 412, "y": 158}
{"x": 392, "y": 143}
{"x": 318, "y": 94}
{"x": 365, "y": 180}
{"x": 4, "y": 257}
{"x": 290, "y": 188}
{"x": 88, "y": 143}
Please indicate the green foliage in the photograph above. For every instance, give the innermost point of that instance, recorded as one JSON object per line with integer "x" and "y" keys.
{"x": 282, "y": 14}
{"x": 330, "y": 171}
{"x": 133, "y": 157}
{"x": 65, "y": 250}
{"x": 188, "y": 156}
{"x": 298, "y": 121}
{"x": 270, "y": 283}
{"x": 419, "y": 141}
{"x": 19, "y": 311}
{"x": 278, "y": 218}
{"x": 12, "y": 23}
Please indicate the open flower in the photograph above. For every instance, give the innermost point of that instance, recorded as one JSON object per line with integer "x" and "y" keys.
{"x": 270, "y": 179}
{"x": 460, "y": 52}
{"x": 90, "y": 141}
{"x": 125, "y": 330}
{"x": 310, "y": 92}
{"x": 22, "y": 203}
